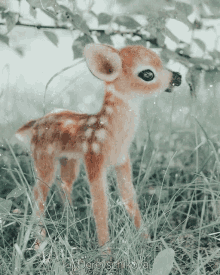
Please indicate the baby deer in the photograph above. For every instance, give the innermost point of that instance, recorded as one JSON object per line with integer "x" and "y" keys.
{"x": 103, "y": 139}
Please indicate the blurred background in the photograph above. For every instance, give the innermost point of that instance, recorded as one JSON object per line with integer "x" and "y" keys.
{"x": 32, "y": 55}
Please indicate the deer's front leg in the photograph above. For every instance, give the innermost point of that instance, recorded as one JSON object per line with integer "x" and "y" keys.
{"x": 97, "y": 180}
{"x": 124, "y": 178}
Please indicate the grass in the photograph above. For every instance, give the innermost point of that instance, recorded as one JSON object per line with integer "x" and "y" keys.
{"x": 177, "y": 183}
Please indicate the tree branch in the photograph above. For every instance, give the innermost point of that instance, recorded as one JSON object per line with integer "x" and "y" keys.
{"x": 38, "y": 26}
{"x": 151, "y": 40}
{"x": 183, "y": 60}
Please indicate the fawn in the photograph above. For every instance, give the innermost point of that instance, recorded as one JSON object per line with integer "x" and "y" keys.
{"x": 103, "y": 139}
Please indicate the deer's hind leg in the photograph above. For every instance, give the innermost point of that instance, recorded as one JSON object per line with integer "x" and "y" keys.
{"x": 69, "y": 172}
{"x": 45, "y": 168}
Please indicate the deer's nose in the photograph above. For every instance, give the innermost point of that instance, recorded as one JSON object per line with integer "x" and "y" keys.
{"x": 176, "y": 79}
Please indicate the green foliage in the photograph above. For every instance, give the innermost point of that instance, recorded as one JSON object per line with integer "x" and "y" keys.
{"x": 163, "y": 263}
{"x": 52, "y": 37}
{"x": 171, "y": 36}
{"x": 104, "y": 18}
{"x": 171, "y": 199}
{"x": 154, "y": 30}
{"x": 34, "y": 13}
{"x": 127, "y": 21}
{"x": 80, "y": 24}
{"x": 135, "y": 42}
{"x": 200, "y": 43}
{"x": 17, "y": 192}
{"x": 4, "y": 39}
{"x": 105, "y": 38}
{"x": 11, "y": 19}
{"x": 79, "y": 45}
{"x": 184, "y": 8}
{"x": 214, "y": 6}
{"x": 42, "y": 4}
{"x": 5, "y": 207}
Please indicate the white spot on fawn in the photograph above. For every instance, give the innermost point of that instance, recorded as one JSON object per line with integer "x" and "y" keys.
{"x": 95, "y": 147}
{"x": 82, "y": 121}
{"x": 68, "y": 122}
{"x": 100, "y": 135}
{"x": 72, "y": 130}
{"x": 103, "y": 120}
{"x": 88, "y": 132}
{"x": 92, "y": 120}
{"x": 85, "y": 147}
{"x": 111, "y": 88}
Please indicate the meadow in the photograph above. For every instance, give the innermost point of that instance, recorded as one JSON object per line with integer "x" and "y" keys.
{"x": 175, "y": 160}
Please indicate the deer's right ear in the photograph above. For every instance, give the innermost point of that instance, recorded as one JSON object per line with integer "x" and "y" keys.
{"x": 103, "y": 61}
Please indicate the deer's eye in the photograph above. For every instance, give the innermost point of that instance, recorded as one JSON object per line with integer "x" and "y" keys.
{"x": 146, "y": 75}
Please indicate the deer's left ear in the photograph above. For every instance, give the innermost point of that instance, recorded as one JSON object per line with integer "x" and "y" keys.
{"x": 103, "y": 61}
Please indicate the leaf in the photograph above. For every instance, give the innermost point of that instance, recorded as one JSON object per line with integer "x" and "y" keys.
{"x": 127, "y": 21}
{"x": 11, "y": 20}
{"x": 184, "y": 51}
{"x": 66, "y": 10}
{"x": 163, "y": 263}
{"x": 52, "y": 37}
{"x": 80, "y": 24}
{"x": 214, "y": 3}
{"x": 17, "y": 192}
{"x": 160, "y": 38}
{"x": 5, "y": 206}
{"x": 50, "y": 14}
{"x": 135, "y": 42}
{"x": 180, "y": 16}
{"x": 156, "y": 23}
{"x": 200, "y": 43}
{"x": 79, "y": 44}
{"x": 19, "y": 50}
{"x": 171, "y": 36}
{"x": 4, "y": 39}
{"x": 75, "y": 19}
{"x": 3, "y": 7}
{"x": 184, "y": 8}
{"x": 105, "y": 39}
{"x": 215, "y": 54}
{"x": 164, "y": 56}
{"x": 104, "y": 18}
{"x": 168, "y": 54}
{"x": 32, "y": 11}
{"x": 202, "y": 63}
{"x": 42, "y": 4}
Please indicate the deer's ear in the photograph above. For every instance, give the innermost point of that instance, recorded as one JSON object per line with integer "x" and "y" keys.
{"x": 103, "y": 61}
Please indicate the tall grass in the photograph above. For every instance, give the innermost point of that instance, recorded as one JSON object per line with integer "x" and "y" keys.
{"x": 177, "y": 182}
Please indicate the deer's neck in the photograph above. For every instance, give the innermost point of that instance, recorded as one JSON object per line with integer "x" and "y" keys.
{"x": 125, "y": 111}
